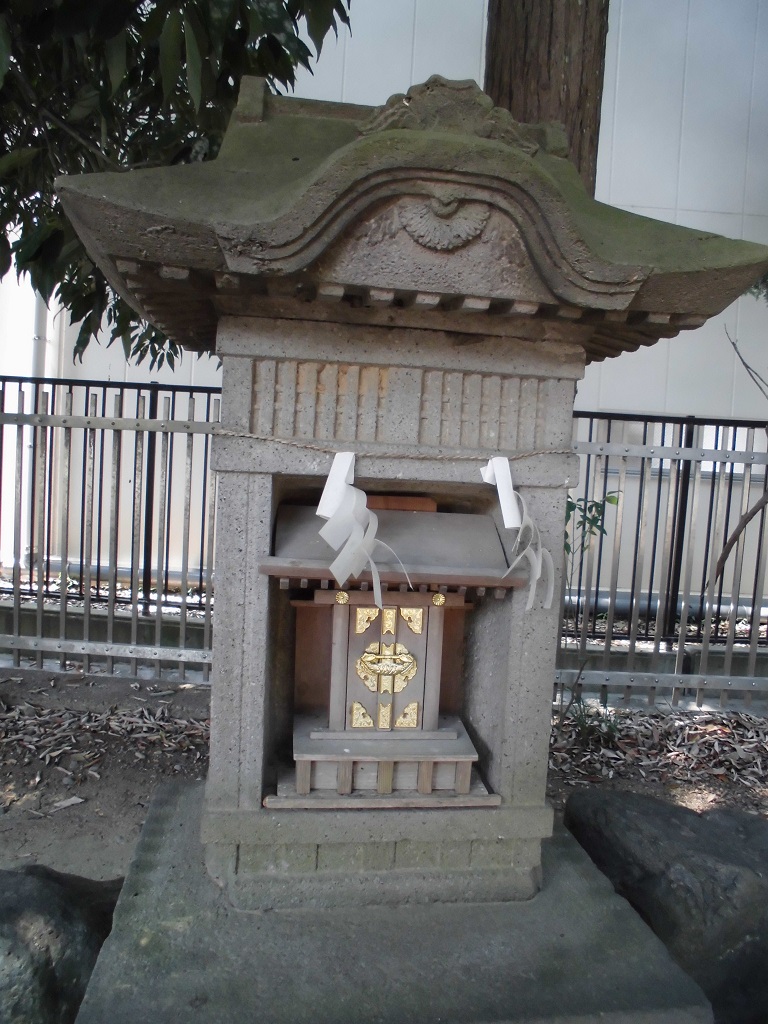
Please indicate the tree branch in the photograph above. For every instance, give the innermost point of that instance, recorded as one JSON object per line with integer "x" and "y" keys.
{"x": 757, "y": 380}
{"x": 80, "y": 139}
{"x": 44, "y": 112}
{"x": 740, "y": 527}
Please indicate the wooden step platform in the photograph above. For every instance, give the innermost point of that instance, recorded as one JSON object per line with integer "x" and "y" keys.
{"x": 336, "y": 770}
{"x": 287, "y": 798}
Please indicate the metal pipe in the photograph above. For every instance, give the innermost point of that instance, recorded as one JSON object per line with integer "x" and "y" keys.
{"x": 39, "y": 336}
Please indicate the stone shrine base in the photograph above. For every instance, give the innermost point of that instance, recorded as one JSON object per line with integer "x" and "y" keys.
{"x": 574, "y": 954}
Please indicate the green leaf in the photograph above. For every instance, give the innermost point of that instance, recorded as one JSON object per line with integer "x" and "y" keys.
{"x": 82, "y": 341}
{"x": 26, "y": 247}
{"x": 37, "y": 252}
{"x": 194, "y": 64}
{"x": 5, "y": 256}
{"x": 17, "y": 158}
{"x": 152, "y": 26}
{"x": 256, "y": 27}
{"x": 86, "y": 101}
{"x": 320, "y": 18}
{"x": 5, "y": 48}
{"x": 112, "y": 18}
{"x": 219, "y": 21}
{"x": 170, "y": 53}
{"x": 73, "y": 18}
{"x": 131, "y": 98}
{"x": 115, "y": 52}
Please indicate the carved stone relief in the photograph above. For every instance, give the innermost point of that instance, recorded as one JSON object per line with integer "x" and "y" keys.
{"x": 353, "y": 404}
{"x": 440, "y": 224}
{"x": 440, "y": 242}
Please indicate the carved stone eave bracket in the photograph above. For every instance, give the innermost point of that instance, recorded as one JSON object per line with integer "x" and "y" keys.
{"x": 442, "y": 216}
{"x": 187, "y": 305}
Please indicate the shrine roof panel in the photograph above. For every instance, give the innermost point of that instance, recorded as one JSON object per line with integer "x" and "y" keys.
{"x": 436, "y": 188}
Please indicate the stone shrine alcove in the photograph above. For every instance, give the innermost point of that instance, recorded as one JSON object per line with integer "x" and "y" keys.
{"x": 378, "y": 694}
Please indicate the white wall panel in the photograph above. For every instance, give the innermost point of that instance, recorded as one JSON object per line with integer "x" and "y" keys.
{"x": 17, "y": 326}
{"x": 588, "y": 388}
{"x": 716, "y": 106}
{"x": 701, "y": 368}
{"x": 747, "y": 401}
{"x": 379, "y": 56}
{"x": 711, "y": 221}
{"x": 326, "y": 80}
{"x": 608, "y": 114}
{"x": 396, "y": 44}
{"x": 756, "y": 179}
{"x": 646, "y": 109}
{"x": 684, "y": 138}
{"x": 449, "y": 39}
{"x": 693, "y": 374}
{"x": 102, "y": 362}
{"x": 701, "y": 363}
{"x": 754, "y": 226}
{"x": 641, "y": 376}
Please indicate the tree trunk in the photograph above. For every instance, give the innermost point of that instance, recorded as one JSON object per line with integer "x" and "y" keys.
{"x": 545, "y": 61}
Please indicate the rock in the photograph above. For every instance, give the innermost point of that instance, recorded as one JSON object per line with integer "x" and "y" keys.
{"x": 52, "y": 927}
{"x": 699, "y": 880}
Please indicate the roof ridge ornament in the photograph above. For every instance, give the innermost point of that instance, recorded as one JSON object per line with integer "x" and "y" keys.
{"x": 462, "y": 107}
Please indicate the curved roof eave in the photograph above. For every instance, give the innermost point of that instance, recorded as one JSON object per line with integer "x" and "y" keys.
{"x": 294, "y": 177}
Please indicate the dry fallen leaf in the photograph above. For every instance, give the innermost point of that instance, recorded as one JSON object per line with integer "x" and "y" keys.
{"x": 72, "y": 801}
{"x": 676, "y": 745}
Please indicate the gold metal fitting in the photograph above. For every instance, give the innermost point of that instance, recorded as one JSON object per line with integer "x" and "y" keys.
{"x": 438, "y": 599}
{"x": 342, "y": 597}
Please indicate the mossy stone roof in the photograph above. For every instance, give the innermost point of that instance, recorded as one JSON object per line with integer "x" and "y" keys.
{"x": 295, "y": 178}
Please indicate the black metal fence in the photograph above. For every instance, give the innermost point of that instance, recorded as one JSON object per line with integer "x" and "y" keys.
{"x": 669, "y": 587}
{"x": 107, "y": 537}
{"x": 106, "y": 512}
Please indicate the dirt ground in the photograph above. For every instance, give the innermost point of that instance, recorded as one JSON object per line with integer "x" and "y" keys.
{"x": 697, "y": 796}
{"x": 80, "y": 759}
{"x": 82, "y": 811}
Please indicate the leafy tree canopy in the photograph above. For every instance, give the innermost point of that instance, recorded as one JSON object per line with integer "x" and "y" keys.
{"x": 111, "y": 85}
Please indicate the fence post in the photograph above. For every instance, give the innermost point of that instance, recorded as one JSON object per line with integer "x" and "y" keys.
{"x": 678, "y": 543}
{"x": 149, "y": 501}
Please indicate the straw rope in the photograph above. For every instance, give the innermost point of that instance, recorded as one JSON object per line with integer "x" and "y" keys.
{"x": 421, "y": 456}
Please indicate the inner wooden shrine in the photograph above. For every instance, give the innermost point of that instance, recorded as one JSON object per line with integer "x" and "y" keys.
{"x": 378, "y": 691}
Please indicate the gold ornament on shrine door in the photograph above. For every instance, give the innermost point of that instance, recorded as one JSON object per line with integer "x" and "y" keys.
{"x": 386, "y": 667}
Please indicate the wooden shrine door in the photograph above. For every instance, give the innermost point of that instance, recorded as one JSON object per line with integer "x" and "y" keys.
{"x": 386, "y": 666}
{"x": 386, "y": 662}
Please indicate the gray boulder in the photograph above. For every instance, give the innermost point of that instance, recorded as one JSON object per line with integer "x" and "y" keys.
{"x": 699, "y": 880}
{"x": 52, "y": 927}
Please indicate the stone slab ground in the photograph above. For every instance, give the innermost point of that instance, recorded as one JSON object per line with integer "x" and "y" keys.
{"x": 574, "y": 954}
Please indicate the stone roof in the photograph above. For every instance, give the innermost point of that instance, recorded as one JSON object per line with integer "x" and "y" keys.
{"x": 437, "y": 209}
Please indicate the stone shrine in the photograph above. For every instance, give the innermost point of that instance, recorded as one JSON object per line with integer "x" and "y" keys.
{"x": 419, "y": 285}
